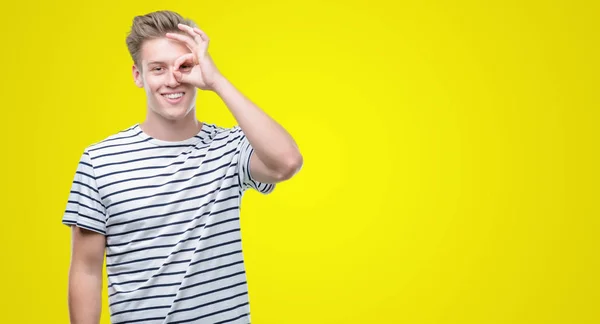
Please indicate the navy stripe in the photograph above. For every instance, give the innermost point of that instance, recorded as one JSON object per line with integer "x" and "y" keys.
{"x": 153, "y": 148}
{"x": 85, "y": 174}
{"x": 85, "y": 185}
{"x": 218, "y": 190}
{"x": 144, "y": 288}
{"x": 216, "y": 257}
{"x": 120, "y": 144}
{"x": 139, "y": 169}
{"x": 143, "y": 270}
{"x": 145, "y": 149}
{"x": 226, "y": 143}
{"x": 173, "y": 272}
{"x": 213, "y": 269}
{"x": 140, "y": 309}
{"x": 175, "y": 252}
{"x": 173, "y": 295}
{"x": 173, "y": 202}
{"x": 217, "y": 245}
{"x": 187, "y": 320}
{"x": 141, "y": 159}
{"x": 169, "y": 156}
{"x": 176, "y": 283}
{"x": 207, "y": 304}
{"x": 232, "y": 319}
{"x": 88, "y": 197}
{"x": 220, "y": 156}
{"x": 86, "y": 206}
{"x": 82, "y": 215}
{"x": 213, "y": 280}
{"x": 140, "y": 132}
{"x": 143, "y": 298}
{"x": 175, "y": 223}
{"x": 142, "y": 320}
{"x": 210, "y": 314}
{"x": 150, "y": 258}
{"x": 87, "y": 227}
{"x": 210, "y": 291}
{"x": 173, "y": 192}
{"x": 164, "y": 175}
{"x": 122, "y": 137}
{"x": 166, "y": 166}
{"x": 176, "y": 262}
{"x": 244, "y": 165}
{"x": 199, "y": 237}
{"x": 149, "y": 269}
{"x": 173, "y": 234}
{"x": 168, "y": 263}
{"x": 255, "y": 185}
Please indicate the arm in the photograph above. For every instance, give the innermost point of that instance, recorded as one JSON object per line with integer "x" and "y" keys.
{"x": 276, "y": 156}
{"x": 85, "y": 276}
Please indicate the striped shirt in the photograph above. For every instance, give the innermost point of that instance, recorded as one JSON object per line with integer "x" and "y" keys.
{"x": 170, "y": 214}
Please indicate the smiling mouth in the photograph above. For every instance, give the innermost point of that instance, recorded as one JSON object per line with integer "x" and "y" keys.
{"x": 173, "y": 96}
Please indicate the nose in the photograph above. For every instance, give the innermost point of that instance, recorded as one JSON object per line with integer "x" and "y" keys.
{"x": 171, "y": 81}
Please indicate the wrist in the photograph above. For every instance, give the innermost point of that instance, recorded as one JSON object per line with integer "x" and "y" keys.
{"x": 220, "y": 84}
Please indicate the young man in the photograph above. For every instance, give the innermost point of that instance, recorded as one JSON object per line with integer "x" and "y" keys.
{"x": 162, "y": 198}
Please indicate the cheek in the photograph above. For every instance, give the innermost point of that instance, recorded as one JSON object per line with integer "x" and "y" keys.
{"x": 152, "y": 84}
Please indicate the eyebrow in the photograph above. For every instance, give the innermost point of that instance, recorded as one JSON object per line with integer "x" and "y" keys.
{"x": 155, "y": 62}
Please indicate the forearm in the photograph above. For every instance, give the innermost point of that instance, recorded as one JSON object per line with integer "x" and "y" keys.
{"x": 271, "y": 142}
{"x": 85, "y": 297}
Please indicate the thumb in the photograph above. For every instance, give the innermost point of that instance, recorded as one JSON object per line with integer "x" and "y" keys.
{"x": 179, "y": 76}
{"x": 188, "y": 60}
{"x": 182, "y": 77}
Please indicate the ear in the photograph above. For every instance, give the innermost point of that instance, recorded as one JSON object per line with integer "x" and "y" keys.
{"x": 137, "y": 76}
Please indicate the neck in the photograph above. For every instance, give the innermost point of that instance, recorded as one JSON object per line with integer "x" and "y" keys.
{"x": 171, "y": 130}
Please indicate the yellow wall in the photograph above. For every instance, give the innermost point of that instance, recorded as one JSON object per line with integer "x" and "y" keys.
{"x": 450, "y": 153}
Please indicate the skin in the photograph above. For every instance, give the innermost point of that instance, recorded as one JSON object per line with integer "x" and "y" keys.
{"x": 180, "y": 62}
{"x": 85, "y": 276}
{"x": 276, "y": 156}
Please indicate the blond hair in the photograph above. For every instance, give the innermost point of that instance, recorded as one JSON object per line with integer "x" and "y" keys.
{"x": 150, "y": 26}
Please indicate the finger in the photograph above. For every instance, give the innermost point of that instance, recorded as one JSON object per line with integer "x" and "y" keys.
{"x": 201, "y": 33}
{"x": 179, "y": 76}
{"x": 191, "y": 32}
{"x": 183, "y": 38}
{"x": 189, "y": 58}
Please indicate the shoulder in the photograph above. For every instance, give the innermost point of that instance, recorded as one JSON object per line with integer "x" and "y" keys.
{"x": 225, "y": 135}
{"x": 121, "y": 137}
{"x": 115, "y": 138}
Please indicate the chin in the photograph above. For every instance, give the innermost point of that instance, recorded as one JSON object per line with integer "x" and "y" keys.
{"x": 172, "y": 113}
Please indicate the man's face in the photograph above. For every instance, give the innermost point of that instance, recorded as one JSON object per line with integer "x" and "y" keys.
{"x": 166, "y": 97}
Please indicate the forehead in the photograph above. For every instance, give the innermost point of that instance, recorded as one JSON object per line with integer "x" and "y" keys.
{"x": 162, "y": 49}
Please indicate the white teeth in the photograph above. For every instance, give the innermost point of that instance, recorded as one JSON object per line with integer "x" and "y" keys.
{"x": 174, "y": 95}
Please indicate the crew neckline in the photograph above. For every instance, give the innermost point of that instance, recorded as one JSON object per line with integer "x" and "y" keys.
{"x": 202, "y": 134}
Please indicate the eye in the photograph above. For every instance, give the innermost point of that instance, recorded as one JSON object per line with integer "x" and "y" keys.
{"x": 185, "y": 66}
{"x": 158, "y": 68}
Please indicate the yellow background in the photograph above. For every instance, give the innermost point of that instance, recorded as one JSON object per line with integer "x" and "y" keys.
{"x": 451, "y": 153}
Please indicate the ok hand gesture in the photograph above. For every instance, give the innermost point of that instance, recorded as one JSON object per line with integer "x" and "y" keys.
{"x": 196, "y": 68}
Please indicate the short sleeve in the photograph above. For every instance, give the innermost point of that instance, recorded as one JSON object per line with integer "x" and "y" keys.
{"x": 84, "y": 206}
{"x": 245, "y": 153}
